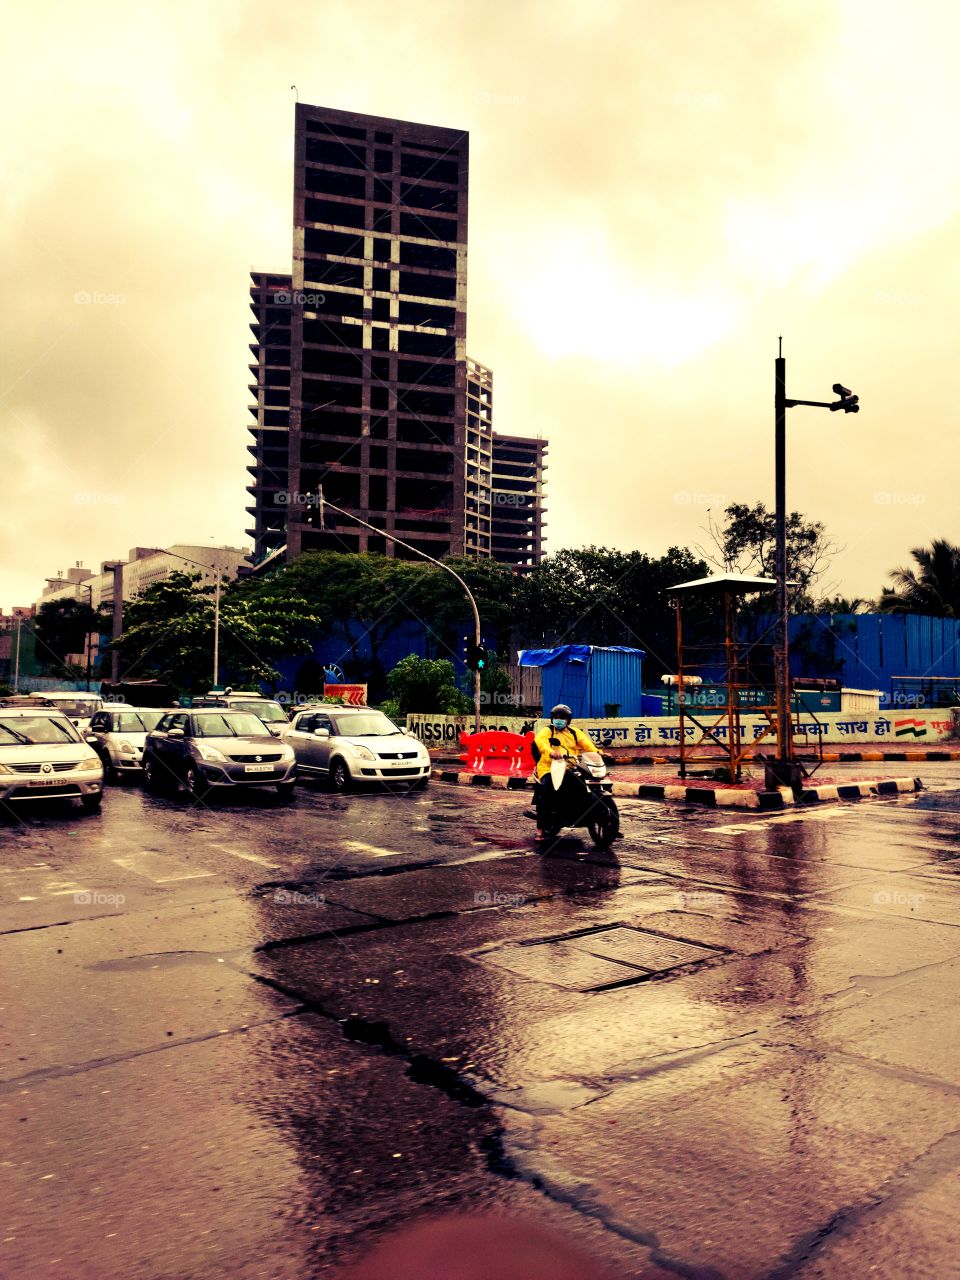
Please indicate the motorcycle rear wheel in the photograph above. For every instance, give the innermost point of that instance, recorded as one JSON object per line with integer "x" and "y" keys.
{"x": 604, "y": 823}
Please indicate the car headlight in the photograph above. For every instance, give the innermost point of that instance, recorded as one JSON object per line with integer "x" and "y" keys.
{"x": 206, "y": 752}
{"x": 4, "y": 769}
{"x": 362, "y": 753}
{"x": 127, "y": 749}
{"x": 287, "y": 753}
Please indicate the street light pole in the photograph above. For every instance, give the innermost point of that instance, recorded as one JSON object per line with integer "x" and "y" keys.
{"x": 440, "y": 565}
{"x": 786, "y": 770}
{"x": 16, "y": 667}
{"x": 216, "y": 633}
{"x": 782, "y": 651}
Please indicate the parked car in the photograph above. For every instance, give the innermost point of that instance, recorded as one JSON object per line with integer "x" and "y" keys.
{"x": 117, "y": 734}
{"x": 213, "y": 747}
{"x": 43, "y": 756}
{"x": 270, "y": 712}
{"x": 354, "y": 744}
{"x": 77, "y": 705}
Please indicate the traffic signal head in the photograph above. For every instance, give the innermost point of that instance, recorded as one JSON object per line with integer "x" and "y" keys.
{"x": 848, "y": 402}
{"x": 476, "y": 656}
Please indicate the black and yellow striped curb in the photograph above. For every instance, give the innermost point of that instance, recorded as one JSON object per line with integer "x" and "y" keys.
{"x": 709, "y": 797}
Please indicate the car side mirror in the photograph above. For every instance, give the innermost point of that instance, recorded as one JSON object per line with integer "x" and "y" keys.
{"x": 321, "y": 733}
{"x": 174, "y": 733}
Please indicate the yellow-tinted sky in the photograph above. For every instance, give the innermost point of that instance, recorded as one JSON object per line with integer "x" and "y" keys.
{"x": 657, "y": 191}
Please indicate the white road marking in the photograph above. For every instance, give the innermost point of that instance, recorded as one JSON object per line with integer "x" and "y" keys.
{"x": 358, "y": 846}
{"x": 822, "y": 816}
{"x": 247, "y": 857}
{"x": 147, "y": 864}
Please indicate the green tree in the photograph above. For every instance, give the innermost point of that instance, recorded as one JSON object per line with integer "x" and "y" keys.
{"x": 426, "y": 685}
{"x": 62, "y": 627}
{"x": 745, "y": 542}
{"x": 595, "y": 595}
{"x": 367, "y": 596}
{"x": 931, "y": 587}
{"x": 168, "y": 630}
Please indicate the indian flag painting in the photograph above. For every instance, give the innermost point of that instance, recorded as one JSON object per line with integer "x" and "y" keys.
{"x": 909, "y": 728}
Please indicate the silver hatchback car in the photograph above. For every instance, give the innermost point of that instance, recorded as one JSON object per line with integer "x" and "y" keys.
{"x": 354, "y": 744}
{"x": 42, "y": 756}
{"x": 117, "y": 735}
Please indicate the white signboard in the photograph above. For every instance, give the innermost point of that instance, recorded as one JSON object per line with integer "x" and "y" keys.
{"x": 895, "y": 731}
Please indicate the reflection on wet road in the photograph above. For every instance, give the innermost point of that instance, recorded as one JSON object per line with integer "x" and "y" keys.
{"x": 245, "y": 1039}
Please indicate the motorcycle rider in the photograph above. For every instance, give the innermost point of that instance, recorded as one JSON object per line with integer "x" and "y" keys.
{"x": 558, "y": 740}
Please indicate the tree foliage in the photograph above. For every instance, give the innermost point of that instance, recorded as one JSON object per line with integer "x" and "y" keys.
{"x": 168, "y": 630}
{"x": 600, "y": 596}
{"x": 932, "y": 586}
{"x": 62, "y": 627}
{"x": 745, "y": 542}
{"x": 425, "y": 685}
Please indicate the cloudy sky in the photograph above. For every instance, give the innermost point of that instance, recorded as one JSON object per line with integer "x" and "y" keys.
{"x": 658, "y": 189}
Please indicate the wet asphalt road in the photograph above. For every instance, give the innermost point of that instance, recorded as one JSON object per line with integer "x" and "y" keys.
{"x": 245, "y": 1039}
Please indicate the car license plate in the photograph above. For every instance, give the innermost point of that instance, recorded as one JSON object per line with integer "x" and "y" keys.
{"x": 45, "y": 782}
{"x": 258, "y": 768}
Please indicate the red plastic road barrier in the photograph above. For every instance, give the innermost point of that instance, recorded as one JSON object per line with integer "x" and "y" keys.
{"x": 497, "y": 751}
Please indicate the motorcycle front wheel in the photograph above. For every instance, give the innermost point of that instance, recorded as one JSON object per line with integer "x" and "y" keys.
{"x": 604, "y": 823}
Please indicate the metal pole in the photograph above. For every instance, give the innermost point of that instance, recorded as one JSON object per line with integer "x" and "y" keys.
{"x": 117, "y": 619}
{"x": 16, "y": 668}
{"x": 216, "y": 633}
{"x": 782, "y": 655}
{"x": 324, "y": 502}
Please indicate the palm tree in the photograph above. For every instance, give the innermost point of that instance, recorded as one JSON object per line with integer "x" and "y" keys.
{"x": 933, "y": 587}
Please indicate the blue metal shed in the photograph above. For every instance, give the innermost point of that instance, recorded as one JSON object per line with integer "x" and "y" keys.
{"x": 594, "y": 681}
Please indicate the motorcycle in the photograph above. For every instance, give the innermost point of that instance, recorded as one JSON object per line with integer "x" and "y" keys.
{"x": 581, "y": 797}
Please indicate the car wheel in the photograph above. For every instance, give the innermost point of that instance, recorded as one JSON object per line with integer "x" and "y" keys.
{"x": 422, "y": 783}
{"x": 339, "y": 775}
{"x": 151, "y": 779}
{"x": 285, "y": 791}
{"x": 91, "y": 803}
{"x": 194, "y": 782}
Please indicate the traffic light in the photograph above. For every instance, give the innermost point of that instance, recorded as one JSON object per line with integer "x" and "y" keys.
{"x": 476, "y": 656}
{"x": 848, "y": 402}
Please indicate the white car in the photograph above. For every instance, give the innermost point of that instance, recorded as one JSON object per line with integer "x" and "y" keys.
{"x": 78, "y": 706}
{"x": 118, "y": 733}
{"x": 43, "y": 756}
{"x": 348, "y": 745}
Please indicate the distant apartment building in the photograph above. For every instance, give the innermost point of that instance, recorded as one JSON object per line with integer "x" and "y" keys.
{"x": 142, "y": 567}
{"x": 517, "y": 506}
{"x": 361, "y": 382}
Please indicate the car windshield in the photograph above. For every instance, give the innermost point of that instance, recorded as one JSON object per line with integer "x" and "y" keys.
{"x": 373, "y": 724}
{"x": 33, "y": 729}
{"x": 269, "y": 712}
{"x": 230, "y": 724}
{"x": 137, "y": 721}
{"x": 82, "y": 708}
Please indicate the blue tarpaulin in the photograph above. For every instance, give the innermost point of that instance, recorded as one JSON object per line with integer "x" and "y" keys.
{"x": 573, "y": 653}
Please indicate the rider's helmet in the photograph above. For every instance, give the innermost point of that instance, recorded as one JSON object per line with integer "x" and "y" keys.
{"x": 561, "y": 712}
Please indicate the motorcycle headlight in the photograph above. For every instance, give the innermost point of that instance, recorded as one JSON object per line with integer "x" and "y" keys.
{"x": 206, "y": 752}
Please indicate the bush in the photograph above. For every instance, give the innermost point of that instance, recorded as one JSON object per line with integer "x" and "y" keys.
{"x": 426, "y": 685}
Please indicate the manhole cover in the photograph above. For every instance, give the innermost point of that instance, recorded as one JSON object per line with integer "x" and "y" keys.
{"x": 600, "y": 958}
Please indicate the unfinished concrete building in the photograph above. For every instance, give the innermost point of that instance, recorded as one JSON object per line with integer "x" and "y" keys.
{"x": 361, "y": 383}
{"x": 378, "y": 330}
{"x": 478, "y": 461}
{"x": 270, "y": 302}
{"x": 517, "y": 500}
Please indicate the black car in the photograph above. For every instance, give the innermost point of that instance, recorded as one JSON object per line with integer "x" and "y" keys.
{"x": 206, "y": 748}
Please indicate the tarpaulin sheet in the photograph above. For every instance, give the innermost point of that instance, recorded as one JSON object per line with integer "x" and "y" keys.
{"x": 572, "y": 653}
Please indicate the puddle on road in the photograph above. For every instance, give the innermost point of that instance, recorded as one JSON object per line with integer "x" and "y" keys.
{"x": 167, "y": 960}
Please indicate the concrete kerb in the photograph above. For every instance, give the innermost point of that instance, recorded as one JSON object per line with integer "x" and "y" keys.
{"x": 709, "y": 797}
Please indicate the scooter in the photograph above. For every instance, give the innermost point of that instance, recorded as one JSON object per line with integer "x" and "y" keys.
{"x": 581, "y": 798}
